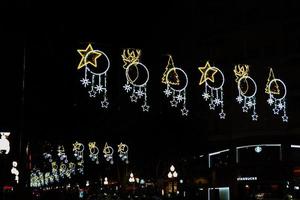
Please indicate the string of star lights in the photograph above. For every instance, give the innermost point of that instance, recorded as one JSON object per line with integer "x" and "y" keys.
{"x": 123, "y": 152}
{"x": 175, "y": 86}
{"x": 246, "y": 93}
{"x": 108, "y": 152}
{"x": 78, "y": 149}
{"x": 137, "y": 77}
{"x": 96, "y": 64}
{"x": 277, "y": 97}
{"x": 94, "y": 151}
{"x": 213, "y": 93}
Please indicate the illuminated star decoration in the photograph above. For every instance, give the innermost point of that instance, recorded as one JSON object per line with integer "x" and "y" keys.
{"x": 176, "y": 88}
{"x": 212, "y": 94}
{"x": 123, "y": 152}
{"x": 247, "y": 100}
{"x": 108, "y": 152}
{"x": 277, "y": 98}
{"x": 94, "y": 151}
{"x": 134, "y": 85}
{"x": 95, "y": 81}
{"x": 78, "y": 149}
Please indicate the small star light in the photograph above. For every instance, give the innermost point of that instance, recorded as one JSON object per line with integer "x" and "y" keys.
{"x": 137, "y": 77}
{"x": 246, "y": 94}
{"x": 95, "y": 74}
{"x": 277, "y": 97}
{"x": 176, "y": 87}
{"x": 94, "y": 151}
{"x": 108, "y": 152}
{"x": 123, "y": 152}
{"x": 61, "y": 153}
{"x": 212, "y": 93}
{"x": 78, "y": 149}
{"x": 4, "y": 143}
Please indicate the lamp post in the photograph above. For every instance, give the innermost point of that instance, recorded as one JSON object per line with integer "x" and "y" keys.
{"x": 172, "y": 175}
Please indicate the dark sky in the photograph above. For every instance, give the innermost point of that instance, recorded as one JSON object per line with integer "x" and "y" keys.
{"x": 54, "y": 106}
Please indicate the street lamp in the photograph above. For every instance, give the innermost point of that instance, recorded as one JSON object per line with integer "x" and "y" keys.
{"x": 171, "y": 175}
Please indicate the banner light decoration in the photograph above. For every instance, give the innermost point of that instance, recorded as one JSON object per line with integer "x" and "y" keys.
{"x": 61, "y": 153}
{"x": 213, "y": 93}
{"x": 94, "y": 151}
{"x": 95, "y": 76}
{"x": 78, "y": 149}
{"x": 4, "y": 143}
{"x": 175, "y": 86}
{"x": 123, "y": 152}
{"x": 247, "y": 93}
{"x": 70, "y": 170}
{"x": 108, "y": 152}
{"x": 137, "y": 77}
{"x": 62, "y": 170}
{"x": 55, "y": 171}
{"x": 277, "y": 97}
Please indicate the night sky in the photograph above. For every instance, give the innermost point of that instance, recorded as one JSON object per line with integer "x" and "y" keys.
{"x": 54, "y": 106}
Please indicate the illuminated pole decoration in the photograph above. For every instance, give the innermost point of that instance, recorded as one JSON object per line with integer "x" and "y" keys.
{"x": 95, "y": 76}
{"x": 94, "y": 151}
{"x": 213, "y": 92}
{"x": 123, "y": 152}
{"x": 4, "y": 143}
{"x": 78, "y": 149}
{"x": 247, "y": 89}
{"x": 277, "y": 97}
{"x": 137, "y": 77}
{"x": 108, "y": 152}
{"x": 176, "y": 85}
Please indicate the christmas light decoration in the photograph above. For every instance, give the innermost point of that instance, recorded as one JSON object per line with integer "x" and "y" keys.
{"x": 123, "y": 152}
{"x": 15, "y": 171}
{"x": 94, "y": 151}
{"x": 277, "y": 97}
{"x": 48, "y": 156}
{"x": 213, "y": 93}
{"x": 62, "y": 170}
{"x": 78, "y": 149}
{"x": 4, "y": 143}
{"x": 95, "y": 76}
{"x": 108, "y": 152}
{"x": 136, "y": 82}
{"x": 55, "y": 171}
{"x": 176, "y": 87}
{"x": 246, "y": 93}
{"x": 61, "y": 153}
